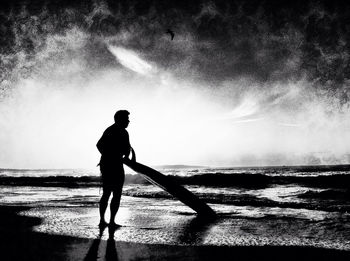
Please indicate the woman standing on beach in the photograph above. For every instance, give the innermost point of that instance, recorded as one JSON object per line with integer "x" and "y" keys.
{"x": 113, "y": 146}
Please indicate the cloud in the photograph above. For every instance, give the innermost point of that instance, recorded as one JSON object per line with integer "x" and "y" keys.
{"x": 132, "y": 60}
{"x": 247, "y": 107}
{"x": 258, "y": 78}
{"x": 247, "y": 120}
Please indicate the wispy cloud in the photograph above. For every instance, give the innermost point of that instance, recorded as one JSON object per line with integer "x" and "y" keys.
{"x": 248, "y": 107}
{"x": 132, "y": 60}
{"x": 248, "y": 120}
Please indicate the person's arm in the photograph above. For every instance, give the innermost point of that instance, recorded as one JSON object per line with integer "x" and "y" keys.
{"x": 127, "y": 147}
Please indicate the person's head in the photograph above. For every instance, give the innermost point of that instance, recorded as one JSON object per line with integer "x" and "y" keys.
{"x": 121, "y": 118}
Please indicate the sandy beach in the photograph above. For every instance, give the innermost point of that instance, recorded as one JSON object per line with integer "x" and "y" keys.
{"x": 21, "y": 240}
{"x": 289, "y": 218}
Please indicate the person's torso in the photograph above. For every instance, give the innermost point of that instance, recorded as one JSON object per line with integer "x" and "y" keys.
{"x": 115, "y": 145}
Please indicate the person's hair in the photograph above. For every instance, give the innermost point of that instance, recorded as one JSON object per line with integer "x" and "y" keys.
{"x": 120, "y": 115}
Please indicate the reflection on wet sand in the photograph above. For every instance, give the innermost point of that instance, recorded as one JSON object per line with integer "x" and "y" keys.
{"x": 195, "y": 230}
{"x": 191, "y": 232}
{"x": 110, "y": 252}
{"x": 17, "y": 234}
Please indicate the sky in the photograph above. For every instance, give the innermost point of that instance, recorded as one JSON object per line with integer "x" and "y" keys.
{"x": 243, "y": 83}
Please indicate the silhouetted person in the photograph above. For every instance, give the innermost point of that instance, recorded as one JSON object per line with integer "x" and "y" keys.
{"x": 113, "y": 146}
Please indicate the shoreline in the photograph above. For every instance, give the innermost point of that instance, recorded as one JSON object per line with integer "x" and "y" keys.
{"x": 20, "y": 242}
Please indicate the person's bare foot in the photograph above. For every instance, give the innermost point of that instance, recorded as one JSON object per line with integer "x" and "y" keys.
{"x": 102, "y": 224}
{"x": 114, "y": 225}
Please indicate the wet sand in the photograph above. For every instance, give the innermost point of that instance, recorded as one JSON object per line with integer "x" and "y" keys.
{"x": 19, "y": 241}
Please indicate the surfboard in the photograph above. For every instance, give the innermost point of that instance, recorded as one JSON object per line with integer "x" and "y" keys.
{"x": 171, "y": 186}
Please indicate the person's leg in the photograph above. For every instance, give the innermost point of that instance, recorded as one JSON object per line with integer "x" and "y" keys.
{"x": 117, "y": 192}
{"x": 115, "y": 203}
{"x": 103, "y": 204}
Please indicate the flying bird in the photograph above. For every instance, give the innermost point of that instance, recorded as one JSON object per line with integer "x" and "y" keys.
{"x": 171, "y": 33}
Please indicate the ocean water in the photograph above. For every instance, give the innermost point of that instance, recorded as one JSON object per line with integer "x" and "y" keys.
{"x": 300, "y": 205}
